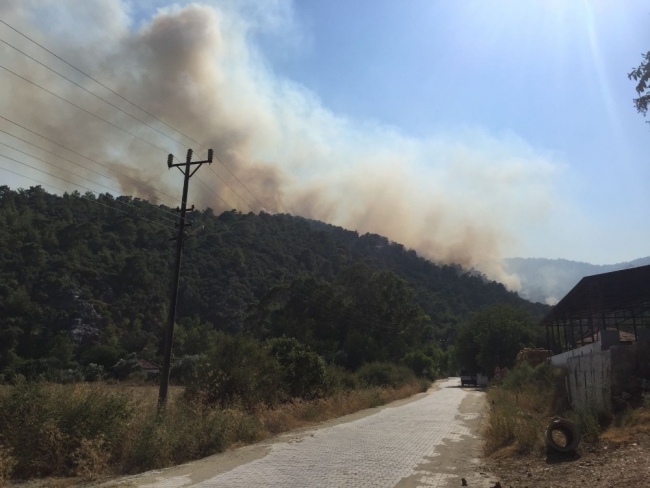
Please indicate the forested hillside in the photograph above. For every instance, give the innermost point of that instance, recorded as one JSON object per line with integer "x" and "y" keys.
{"x": 82, "y": 282}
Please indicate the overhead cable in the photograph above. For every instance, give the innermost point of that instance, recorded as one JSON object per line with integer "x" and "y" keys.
{"x": 131, "y": 103}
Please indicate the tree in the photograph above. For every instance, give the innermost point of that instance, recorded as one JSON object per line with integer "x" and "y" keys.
{"x": 641, "y": 75}
{"x": 493, "y": 337}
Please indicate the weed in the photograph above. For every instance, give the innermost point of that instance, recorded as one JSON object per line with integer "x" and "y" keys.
{"x": 587, "y": 423}
{"x": 90, "y": 459}
{"x": 7, "y": 465}
{"x": 86, "y": 430}
{"x": 510, "y": 424}
{"x": 645, "y": 399}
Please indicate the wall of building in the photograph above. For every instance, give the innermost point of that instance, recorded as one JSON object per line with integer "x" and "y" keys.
{"x": 560, "y": 360}
{"x": 589, "y": 380}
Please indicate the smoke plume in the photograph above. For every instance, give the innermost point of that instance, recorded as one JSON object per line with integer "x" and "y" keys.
{"x": 453, "y": 197}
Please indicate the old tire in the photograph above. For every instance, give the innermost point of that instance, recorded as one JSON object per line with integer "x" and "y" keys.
{"x": 570, "y": 432}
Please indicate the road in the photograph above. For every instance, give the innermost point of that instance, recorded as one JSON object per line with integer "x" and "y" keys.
{"x": 428, "y": 441}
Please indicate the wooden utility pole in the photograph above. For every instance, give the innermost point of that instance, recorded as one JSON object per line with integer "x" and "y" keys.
{"x": 180, "y": 239}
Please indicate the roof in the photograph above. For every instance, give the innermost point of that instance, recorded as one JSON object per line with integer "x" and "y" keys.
{"x": 606, "y": 293}
{"x": 147, "y": 364}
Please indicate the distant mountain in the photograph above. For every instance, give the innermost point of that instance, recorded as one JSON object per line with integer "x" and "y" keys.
{"x": 548, "y": 280}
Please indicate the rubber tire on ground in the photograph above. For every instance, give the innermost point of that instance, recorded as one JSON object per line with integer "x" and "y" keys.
{"x": 570, "y": 432}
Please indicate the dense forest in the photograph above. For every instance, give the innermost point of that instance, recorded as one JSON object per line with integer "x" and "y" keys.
{"x": 84, "y": 280}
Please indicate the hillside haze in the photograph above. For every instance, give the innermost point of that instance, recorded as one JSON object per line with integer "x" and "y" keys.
{"x": 548, "y": 280}
{"x": 78, "y": 272}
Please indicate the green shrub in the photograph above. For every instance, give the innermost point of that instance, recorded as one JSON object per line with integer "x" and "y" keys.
{"x": 183, "y": 368}
{"x": 127, "y": 368}
{"x": 237, "y": 371}
{"x": 421, "y": 365}
{"x": 645, "y": 399}
{"x": 384, "y": 374}
{"x": 303, "y": 371}
{"x": 519, "y": 377}
{"x": 588, "y": 423}
{"x": 340, "y": 379}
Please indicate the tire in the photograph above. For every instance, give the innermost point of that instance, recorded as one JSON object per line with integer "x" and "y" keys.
{"x": 570, "y": 432}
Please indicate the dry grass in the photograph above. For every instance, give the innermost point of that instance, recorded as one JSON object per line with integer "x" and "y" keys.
{"x": 521, "y": 408}
{"x": 514, "y": 422}
{"x": 633, "y": 423}
{"x": 302, "y": 413}
{"x": 88, "y": 430}
{"x": 7, "y": 465}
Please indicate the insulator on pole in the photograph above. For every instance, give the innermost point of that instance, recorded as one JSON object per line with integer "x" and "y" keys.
{"x": 170, "y": 160}
{"x": 210, "y": 155}
{"x": 189, "y": 155}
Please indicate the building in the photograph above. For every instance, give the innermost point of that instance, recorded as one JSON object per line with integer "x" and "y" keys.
{"x": 618, "y": 302}
{"x": 600, "y": 333}
{"x": 150, "y": 368}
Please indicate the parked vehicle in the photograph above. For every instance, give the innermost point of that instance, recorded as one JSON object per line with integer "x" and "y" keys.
{"x": 467, "y": 379}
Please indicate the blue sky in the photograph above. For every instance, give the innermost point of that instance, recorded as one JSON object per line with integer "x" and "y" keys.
{"x": 469, "y": 130}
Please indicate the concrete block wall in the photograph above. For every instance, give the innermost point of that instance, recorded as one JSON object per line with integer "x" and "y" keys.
{"x": 589, "y": 380}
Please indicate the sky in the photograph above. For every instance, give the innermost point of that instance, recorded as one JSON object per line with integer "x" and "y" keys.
{"x": 470, "y": 131}
{"x": 551, "y": 72}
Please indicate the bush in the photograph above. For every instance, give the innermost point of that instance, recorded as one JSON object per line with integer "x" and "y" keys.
{"x": 421, "y": 365}
{"x": 340, "y": 379}
{"x": 183, "y": 369}
{"x": 384, "y": 374}
{"x": 645, "y": 399}
{"x": 44, "y": 425}
{"x": 519, "y": 377}
{"x": 303, "y": 371}
{"x": 237, "y": 371}
{"x": 87, "y": 429}
{"x": 588, "y": 424}
{"x": 7, "y": 465}
{"x": 127, "y": 368}
{"x": 182, "y": 432}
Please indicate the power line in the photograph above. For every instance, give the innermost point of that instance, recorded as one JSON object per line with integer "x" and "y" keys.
{"x": 79, "y": 176}
{"x": 114, "y": 125}
{"x": 70, "y": 161}
{"x": 83, "y": 109}
{"x": 84, "y": 197}
{"x": 83, "y": 156}
{"x": 215, "y": 173}
{"x": 98, "y": 82}
{"x": 217, "y": 195}
{"x": 93, "y": 94}
{"x": 131, "y": 103}
{"x": 72, "y": 183}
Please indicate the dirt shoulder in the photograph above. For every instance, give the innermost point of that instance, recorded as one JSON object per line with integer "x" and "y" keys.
{"x": 609, "y": 463}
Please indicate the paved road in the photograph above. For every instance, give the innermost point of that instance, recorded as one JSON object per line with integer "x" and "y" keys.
{"x": 428, "y": 442}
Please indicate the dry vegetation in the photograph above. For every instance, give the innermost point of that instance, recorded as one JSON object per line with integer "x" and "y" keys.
{"x": 87, "y": 430}
{"x": 521, "y": 407}
{"x": 614, "y": 449}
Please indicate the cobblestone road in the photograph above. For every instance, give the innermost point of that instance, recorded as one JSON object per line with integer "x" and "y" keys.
{"x": 386, "y": 449}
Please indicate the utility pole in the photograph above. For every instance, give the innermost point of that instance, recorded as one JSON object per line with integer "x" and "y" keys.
{"x": 180, "y": 239}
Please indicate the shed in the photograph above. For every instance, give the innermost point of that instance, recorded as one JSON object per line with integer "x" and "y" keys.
{"x": 150, "y": 368}
{"x": 616, "y": 302}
